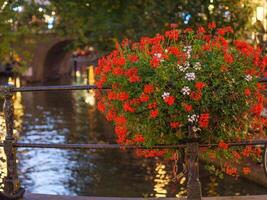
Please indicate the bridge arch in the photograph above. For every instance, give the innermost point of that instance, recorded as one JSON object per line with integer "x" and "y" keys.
{"x": 51, "y": 59}
{"x": 57, "y": 61}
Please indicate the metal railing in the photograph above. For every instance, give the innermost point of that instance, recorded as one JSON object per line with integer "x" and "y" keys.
{"x": 12, "y": 189}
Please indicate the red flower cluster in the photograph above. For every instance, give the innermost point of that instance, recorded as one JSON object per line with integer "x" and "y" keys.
{"x": 232, "y": 171}
{"x": 187, "y": 107}
{"x": 200, "y": 85}
{"x": 162, "y": 84}
{"x": 204, "y": 120}
{"x": 228, "y": 58}
{"x": 154, "y": 113}
{"x": 175, "y": 124}
{"x": 223, "y": 145}
{"x": 169, "y": 100}
{"x": 172, "y": 34}
{"x": 148, "y": 89}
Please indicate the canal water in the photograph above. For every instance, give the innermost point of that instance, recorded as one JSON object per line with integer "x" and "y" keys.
{"x": 72, "y": 117}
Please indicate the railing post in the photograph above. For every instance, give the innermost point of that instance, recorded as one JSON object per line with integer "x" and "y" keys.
{"x": 193, "y": 183}
{"x": 12, "y": 189}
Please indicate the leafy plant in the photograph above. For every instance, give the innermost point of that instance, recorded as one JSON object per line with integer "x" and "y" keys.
{"x": 162, "y": 85}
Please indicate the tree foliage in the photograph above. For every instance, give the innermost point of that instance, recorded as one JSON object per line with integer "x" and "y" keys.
{"x": 101, "y": 23}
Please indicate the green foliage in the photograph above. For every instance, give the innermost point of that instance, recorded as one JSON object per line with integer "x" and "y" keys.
{"x": 101, "y": 23}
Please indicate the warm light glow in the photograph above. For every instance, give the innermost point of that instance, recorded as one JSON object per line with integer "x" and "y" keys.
{"x": 161, "y": 180}
{"x": 3, "y": 167}
{"x": 260, "y": 13}
{"x": 211, "y": 8}
{"x": 90, "y": 98}
{"x": 182, "y": 191}
{"x": 17, "y": 82}
{"x": 212, "y": 187}
{"x": 78, "y": 74}
{"x": 91, "y": 75}
{"x": 18, "y": 114}
{"x": 11, "y": 81}
{"x": 4, "y": 5}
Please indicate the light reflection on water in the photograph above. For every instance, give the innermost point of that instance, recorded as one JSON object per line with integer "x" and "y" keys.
{"x": 72, "y": 117}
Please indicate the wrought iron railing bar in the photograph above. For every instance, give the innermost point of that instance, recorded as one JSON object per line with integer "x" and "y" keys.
{"x": 263, "y": 80}
{"x": 97, "y": 146}
{"x": 117, "y": 146}
{"x": 72, "y": 87}
{"x": 56, "y": 88}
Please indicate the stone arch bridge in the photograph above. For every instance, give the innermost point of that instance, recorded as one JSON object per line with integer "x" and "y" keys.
{"x": 50, "y": 57}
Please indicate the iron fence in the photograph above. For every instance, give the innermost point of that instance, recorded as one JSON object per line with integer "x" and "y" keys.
{"x": 12, "y": 189}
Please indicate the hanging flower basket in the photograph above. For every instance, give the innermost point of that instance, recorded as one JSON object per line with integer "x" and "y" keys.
{"x": 162, "y": 85}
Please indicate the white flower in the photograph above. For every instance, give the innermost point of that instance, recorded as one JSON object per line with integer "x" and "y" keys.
{"x": 248, "y": 77}
{"x": 186, "y": 90}
{"x": 188, "y": 50}
{"x": 165, "y": 94}
{"x": 188, "y": 53}
{"x": 193, "y": 118}
{"x": 182, "y": 68}
{"x": 159, "y": 56}
{"x": 187, "y": 64}
{"x": 190, "y": 76}
{"x": 197, "y": 66}
{"x": 195, "y": 129}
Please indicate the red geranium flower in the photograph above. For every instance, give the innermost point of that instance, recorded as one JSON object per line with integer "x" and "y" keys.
{"x": 201, "y": 30}
{"x": 154, "y": 113}
{"x": 187, "y": 107}
{"x": 212, "y": 25}
{"x": 128, "y": 108}
{"x": 148, "y": 89}
{"x": 246, "y": 170}
{"x": 223, "y": 145}
{"x": 101, "y": 106}
{"x": 196, "y": 95}
{"x": 154, "y": 62}
{"x": 175, "y": 124}
{"x": 204, "y": 120}
{"x": 139, "y": 138}
{"x": 133, "y": 58}
{"x": 200, "y": 85}
{"x": 144, "y": 97}
{"x": 169, "y": 100}
{"x": 152, "y": 105}
{"x": 172, "y": 34}
{"x": 122, "y": 96}
{"x": 228, "y": 58}
{"x": 120, "y": 120}
{"x": 247, "y": 92}
{"x": 117, "y": 71}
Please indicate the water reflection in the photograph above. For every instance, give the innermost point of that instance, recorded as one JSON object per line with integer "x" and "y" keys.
{"x": 161, "y": 180}
{"x": 3, "y": 168}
